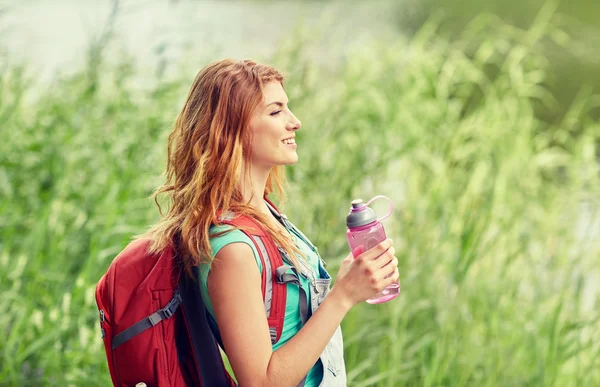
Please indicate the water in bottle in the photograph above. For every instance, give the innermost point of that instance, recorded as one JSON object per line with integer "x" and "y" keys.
{"x": 366, "y": 231}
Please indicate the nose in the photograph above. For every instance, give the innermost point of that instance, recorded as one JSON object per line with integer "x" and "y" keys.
{"x": 294, "y": 123}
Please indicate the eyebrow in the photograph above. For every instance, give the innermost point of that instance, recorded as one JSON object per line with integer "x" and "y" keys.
{"x": 280, "y": 104}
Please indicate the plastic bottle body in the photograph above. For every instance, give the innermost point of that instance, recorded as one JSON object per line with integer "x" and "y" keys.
{"x": 364, "y": 238}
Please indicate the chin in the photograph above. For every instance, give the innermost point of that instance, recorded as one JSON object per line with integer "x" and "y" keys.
{"x": 294, "y": 160}
{"x": 289, "y": 161}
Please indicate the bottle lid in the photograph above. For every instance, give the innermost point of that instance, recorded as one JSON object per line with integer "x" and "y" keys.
{"x": 360, "y": 214}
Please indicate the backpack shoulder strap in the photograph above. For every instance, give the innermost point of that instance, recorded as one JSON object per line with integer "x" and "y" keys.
{"x": 274, "y": 293}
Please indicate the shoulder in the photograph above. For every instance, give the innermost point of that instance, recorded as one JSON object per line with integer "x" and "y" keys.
{"x": 222, "y": 235}
{"x": 232, "y": 260}
{"x": 233, "y": 252}
{"x": 229, "y": 243}
{"x": 235, "y": 255}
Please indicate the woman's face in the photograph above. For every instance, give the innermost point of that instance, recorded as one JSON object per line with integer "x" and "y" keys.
{"x": 273, "y": 128}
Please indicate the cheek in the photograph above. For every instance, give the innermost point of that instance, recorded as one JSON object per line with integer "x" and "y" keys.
{"x": 268, "y": 134}
{"x": 260, "y": 143}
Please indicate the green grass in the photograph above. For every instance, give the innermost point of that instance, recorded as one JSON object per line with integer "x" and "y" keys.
{"x": 496, "y": 273}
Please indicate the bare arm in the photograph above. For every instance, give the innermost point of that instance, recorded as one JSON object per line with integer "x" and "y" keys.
{"x": 234, "y": 286}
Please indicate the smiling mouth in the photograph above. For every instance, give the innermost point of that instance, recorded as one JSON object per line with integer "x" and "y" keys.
{"x": 289, "y": 141}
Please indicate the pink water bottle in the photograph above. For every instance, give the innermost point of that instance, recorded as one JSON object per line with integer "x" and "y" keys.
{"x": 366, "y": 231}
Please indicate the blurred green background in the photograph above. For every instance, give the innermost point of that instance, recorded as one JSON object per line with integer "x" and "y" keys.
{"x": 479, "y": 119}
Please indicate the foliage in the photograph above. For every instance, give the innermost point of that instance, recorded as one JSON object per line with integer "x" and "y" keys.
{"x": 496, "y": 223}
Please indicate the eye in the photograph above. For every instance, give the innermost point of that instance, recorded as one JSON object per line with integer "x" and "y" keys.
{"x": 275, "y": 113}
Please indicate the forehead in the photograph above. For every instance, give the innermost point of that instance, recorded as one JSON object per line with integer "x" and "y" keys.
{"x": 273, "y": 92}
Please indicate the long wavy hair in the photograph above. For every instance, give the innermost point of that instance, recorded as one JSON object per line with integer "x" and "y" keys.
{"x": 206, "y": 153}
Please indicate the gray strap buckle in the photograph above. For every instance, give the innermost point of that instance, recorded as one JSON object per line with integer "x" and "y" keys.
{"x": 148, "y": 322}
{"x": 283, "y": 278}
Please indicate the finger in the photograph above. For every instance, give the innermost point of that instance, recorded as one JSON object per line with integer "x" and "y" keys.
{"x": 387, "y": 270}
{"x": 393, "y": 261}
{"x": 377, "y": 265}
{"x": 391, "y": 269}
{"x": 382, "y": 264}
{"x": 385, "y": 257}
{"x": 390, "y": 278}
{"x": 394, "y": 278}
{"x": 376, "y": 251}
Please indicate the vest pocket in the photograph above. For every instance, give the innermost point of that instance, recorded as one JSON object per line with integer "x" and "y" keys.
{"x": 322, "y": 288}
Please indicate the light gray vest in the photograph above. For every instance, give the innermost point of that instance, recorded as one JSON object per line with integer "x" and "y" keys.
{"x": 334, "y": 369}
{"x": 332, "y": 357}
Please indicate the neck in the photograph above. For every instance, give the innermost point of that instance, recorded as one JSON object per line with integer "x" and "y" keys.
{"x": 254, "y": 189}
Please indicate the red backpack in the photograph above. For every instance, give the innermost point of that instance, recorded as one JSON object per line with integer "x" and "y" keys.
{"x": 155, "y": 327}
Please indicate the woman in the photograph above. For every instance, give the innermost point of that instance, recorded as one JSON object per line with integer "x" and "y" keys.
{"x": 227, "y": 151}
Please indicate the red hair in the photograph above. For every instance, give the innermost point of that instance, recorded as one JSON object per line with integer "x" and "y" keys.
{"x": 206, "y": 150}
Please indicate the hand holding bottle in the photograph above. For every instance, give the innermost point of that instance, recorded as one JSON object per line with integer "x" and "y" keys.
{"x": 365, "y": 231}
{"x": 362, "y": 277}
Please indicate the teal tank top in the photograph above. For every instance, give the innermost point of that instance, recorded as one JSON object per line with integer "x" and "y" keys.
{"x": 293, "y": 321}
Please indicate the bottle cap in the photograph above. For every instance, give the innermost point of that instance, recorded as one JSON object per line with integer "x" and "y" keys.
{"x": 360, "y": 214}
